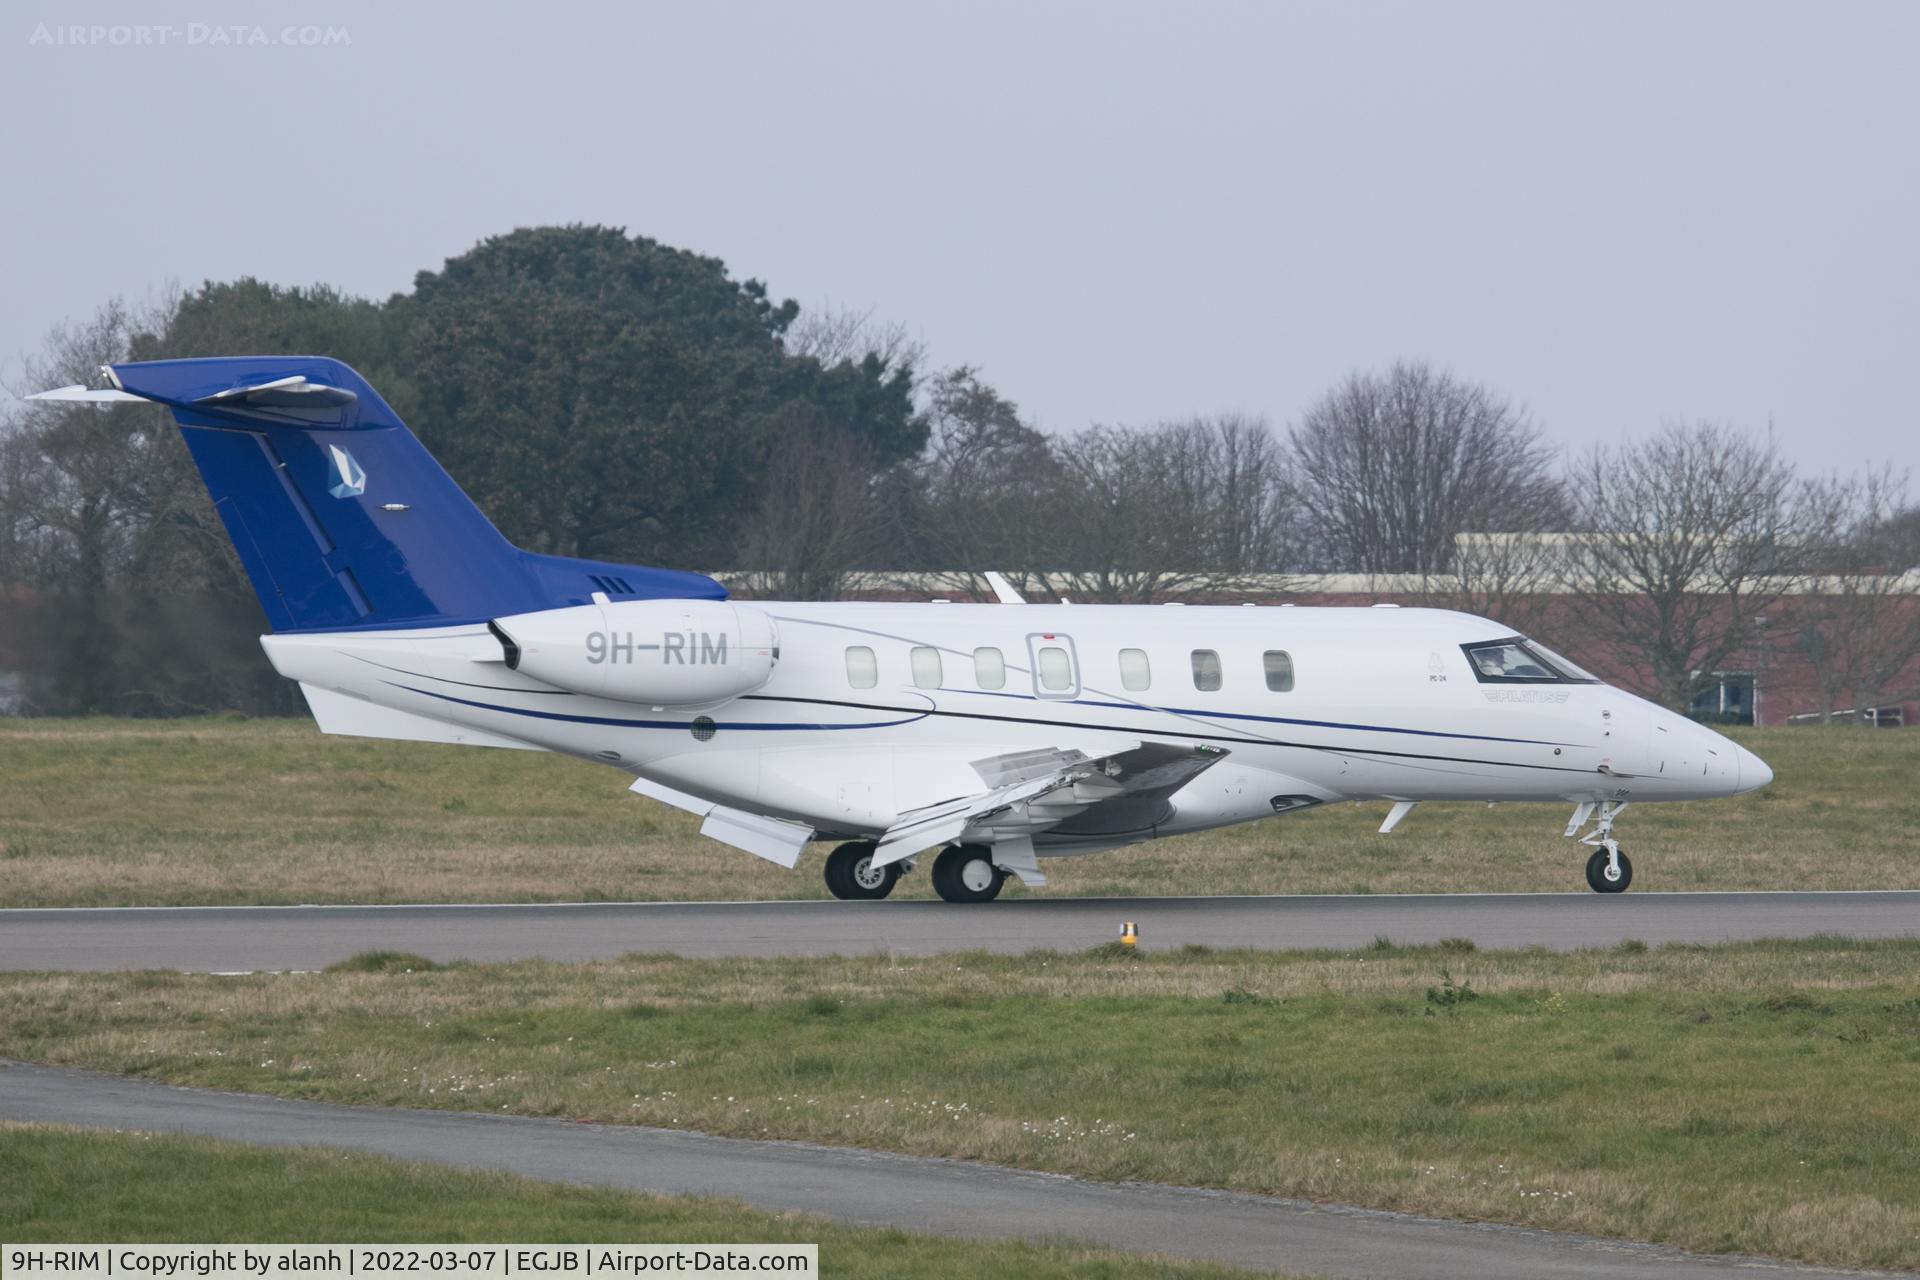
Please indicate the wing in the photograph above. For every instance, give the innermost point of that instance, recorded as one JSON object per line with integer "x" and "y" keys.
{"x": 775, "y": 839}
{"x": 1031, "y": 792}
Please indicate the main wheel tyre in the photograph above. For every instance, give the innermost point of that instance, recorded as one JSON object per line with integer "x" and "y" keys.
{"x": 965, "y": 873}
{"x": 1601, "y": 876}
{"x": 851, "y": 873}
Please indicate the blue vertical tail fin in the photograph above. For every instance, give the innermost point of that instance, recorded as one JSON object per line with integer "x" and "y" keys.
{"x": 342, "y": 518}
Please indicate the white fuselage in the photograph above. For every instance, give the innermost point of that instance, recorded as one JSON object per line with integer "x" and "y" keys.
{"x": 1383, "y": 703}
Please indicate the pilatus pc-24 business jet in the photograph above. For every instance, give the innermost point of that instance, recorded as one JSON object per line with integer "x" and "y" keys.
{"x": 987, "y": 737}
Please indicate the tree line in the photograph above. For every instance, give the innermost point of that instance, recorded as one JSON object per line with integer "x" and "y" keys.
{"x": 604, "y": 395}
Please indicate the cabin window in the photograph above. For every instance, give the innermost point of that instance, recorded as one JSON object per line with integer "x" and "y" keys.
{"x": 863, "y": 671}
{"x": 926, "y": 667}
{"x": 1279, "y": 665}
{"x": 1136, "y": 674}
{"x": 1056, "y": 669}
{"x": 1206, "y": 670}
{"x": 989, "y": 669}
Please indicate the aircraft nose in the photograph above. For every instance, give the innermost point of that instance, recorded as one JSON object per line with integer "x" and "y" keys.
{"x": 1752, "y": 773}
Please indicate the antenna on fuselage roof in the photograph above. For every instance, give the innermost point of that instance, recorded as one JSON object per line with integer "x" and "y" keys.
{"x": 1002, "y": 589}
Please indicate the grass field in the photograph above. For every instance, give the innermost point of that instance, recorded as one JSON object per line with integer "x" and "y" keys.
{"x": 113, "y": 812}
{"x": 1753, "y": 1098}
{"x": 81, "y": 1186}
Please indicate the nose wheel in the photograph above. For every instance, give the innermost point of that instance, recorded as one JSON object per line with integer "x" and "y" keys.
{"x": 1608, "y": 870}
{"x": 852, "y": 875}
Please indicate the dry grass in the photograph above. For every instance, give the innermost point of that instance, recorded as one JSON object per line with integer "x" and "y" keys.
{"x": 1741, "y": 1098}
{"x": 105, "y": 812}
{"x": 73, "y": 1186}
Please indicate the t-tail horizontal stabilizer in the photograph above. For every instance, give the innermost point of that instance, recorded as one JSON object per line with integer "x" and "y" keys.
{"x": 294, "y": 391}
{"x": 341, "y": 518}
{"x": 78, "y": 394}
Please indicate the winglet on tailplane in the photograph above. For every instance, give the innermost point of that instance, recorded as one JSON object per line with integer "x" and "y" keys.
{"x": 341, "y": 517}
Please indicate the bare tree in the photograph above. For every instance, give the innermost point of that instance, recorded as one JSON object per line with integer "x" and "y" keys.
{"x": 839, "y": 335}
{"x": 1184, "y": 510}
{"x": 821, "y": 518}
{"x": 983, "y": 494}
{"x": 74, "y": 500}
{"x": 1684, "y": 541}
{"x": 1393, "y": 465}
{"x": 138, "y": 604}
{"x": 1859, "y": 626}
{"x": 1508, "y": 577}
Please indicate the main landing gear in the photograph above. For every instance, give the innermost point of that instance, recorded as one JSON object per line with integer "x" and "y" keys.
{"x": 1608, "y": 870}
{"x": 965, "y": 873}
{"x": 851, "y": 873}
{"x": 962, "y": 873}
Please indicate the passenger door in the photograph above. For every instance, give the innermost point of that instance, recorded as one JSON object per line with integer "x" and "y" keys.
{"x": 1056, "y": 667}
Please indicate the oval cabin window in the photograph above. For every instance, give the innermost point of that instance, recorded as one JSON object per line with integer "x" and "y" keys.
{"x": 863, "y": 672}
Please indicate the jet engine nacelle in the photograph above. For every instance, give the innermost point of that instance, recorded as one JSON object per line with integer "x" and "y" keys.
{"x": 664, "y": 653}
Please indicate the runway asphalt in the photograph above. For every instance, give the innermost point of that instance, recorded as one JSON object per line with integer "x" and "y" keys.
{"x": 240, "y": 939}
{"x": 869, "y": 1188}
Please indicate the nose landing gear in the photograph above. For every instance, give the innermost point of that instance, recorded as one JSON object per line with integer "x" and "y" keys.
{"x": 1608, "y": 870}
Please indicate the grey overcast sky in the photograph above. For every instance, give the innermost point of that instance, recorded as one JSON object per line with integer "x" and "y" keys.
{"x": 1617, "y": 213}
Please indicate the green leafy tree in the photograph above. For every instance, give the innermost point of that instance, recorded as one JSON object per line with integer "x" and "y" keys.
{"x": 252, "y": 317}
{"x": 607, "y": 395}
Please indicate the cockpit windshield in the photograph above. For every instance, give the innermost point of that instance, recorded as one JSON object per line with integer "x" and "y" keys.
{"x": 1566, "y": 666}
{"x": 1517, "y": 660}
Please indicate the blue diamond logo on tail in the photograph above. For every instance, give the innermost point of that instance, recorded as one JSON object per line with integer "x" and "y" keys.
{"x": 345, "y": 479}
